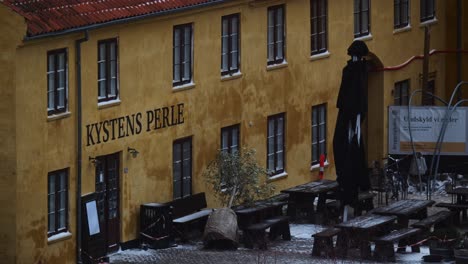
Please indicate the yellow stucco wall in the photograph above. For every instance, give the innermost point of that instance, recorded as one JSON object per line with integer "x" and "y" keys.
{"x": 12, "y": 28}
{"x": 44, "y": 146}
{"x": 145, "y": 81}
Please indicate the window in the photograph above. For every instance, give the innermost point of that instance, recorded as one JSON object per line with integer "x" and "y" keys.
{"x": 319, "y": 132}
{"x": 400, "y": 94}
{"x": 57, "y": 196}
{"x": 230, "y": 139}
{"x": 400, "y": 13}
{"x": 275, "y": 144}
{"x": 57, "y": 90}
{"x": 230, "y": 44}
{"x": 182, "y": 54}
{"x": 318, "y": 26}
{"x": 276, "y": 38}
{"x": 427, "y": 10}
{"x": 182, "y": 168}
{"x": 428, "y": 99}
{"x": 107, "y": 70}
{"x": 361, "y": 18}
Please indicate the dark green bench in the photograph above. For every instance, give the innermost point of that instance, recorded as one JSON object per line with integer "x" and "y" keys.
{"x": 188, "y": 212}
{"x": 384, "y": 249}
{"x": 436, "y": 219}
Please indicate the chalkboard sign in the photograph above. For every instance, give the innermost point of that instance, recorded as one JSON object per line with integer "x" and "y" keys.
{"x": 93, "y": 244}
{"x": 93, "y": 220}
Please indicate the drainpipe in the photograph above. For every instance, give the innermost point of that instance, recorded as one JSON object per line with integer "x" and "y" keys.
{"x": 79, "y": 145}
{"x": 459, "y": 45}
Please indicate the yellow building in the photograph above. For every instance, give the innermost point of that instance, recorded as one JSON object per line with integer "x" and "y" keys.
{"x": 132, "y": 102}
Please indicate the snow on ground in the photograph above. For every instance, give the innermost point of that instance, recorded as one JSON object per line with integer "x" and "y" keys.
{"x": 305, "y": 230}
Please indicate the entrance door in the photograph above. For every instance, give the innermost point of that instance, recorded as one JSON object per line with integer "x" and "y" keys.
{"x": 182, "y": 168}
{"x": 107, "y": 192}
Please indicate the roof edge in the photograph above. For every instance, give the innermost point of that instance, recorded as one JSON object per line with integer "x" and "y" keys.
{"x": 121, "y": 21}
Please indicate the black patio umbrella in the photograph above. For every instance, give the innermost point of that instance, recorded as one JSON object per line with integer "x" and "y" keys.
{"x": 348, "y": 145}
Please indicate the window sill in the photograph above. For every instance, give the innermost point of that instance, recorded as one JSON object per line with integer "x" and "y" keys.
{"x": 364, "y": 38}
{"x": 59, "y": 237}
{"x": 284, "y": 64}
{"x": 107, "y": 104}
{"x": 429, "y": 22}
{"x": 403, "y": 29}
{"x": 278, "y": 177}
{"x": 317, "y": 166}
{"x": 233, "y": 76}
{"x": 183, "y": 87}
{"x": 320, "y": 56}
{"x": 58, "y": 116}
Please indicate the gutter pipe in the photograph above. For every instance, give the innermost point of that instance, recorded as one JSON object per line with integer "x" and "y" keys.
{"x": 79, "y": 144}
{"x": 124, "y": 20}
{"x": 459, "y": 45}
{"x": 419, "y": 57}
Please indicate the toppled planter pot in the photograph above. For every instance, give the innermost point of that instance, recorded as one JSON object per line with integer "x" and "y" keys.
{"x": 221, "y": 230}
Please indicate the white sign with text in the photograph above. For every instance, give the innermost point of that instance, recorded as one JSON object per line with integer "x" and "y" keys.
{"x": 426, "y": 125}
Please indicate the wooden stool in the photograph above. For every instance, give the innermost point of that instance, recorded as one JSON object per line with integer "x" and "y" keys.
{"x": 323, "y": 242}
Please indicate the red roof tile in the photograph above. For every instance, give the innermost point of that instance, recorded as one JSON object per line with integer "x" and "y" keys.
{"x": 46, "y": 16}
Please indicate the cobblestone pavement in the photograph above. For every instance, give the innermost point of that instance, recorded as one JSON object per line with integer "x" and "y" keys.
{"x": 295, "y": 251}
{"x": 298, "y": 250}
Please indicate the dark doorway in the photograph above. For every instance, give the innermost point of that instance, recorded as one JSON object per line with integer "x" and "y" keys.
{"x": 107, "y": 197}
{"x": 182, "y": 168}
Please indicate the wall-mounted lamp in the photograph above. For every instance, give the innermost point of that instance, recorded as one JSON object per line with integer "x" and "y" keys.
{"x": 94, "y": 161}
{"x": 133, "y": 152}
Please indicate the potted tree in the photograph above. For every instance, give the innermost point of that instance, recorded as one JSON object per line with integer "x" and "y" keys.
{"x": 235, "y": 178}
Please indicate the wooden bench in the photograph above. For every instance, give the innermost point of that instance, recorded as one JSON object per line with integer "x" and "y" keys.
{"x": 323, "y": 243}
{"x": 457, "y": 209}
{"x": 433, "y": 220}
{"x": 188, "y": 211}
{"x": 365, "y": 203}
{"x": 384, "y": 250}
{"x": 255, "y": 233}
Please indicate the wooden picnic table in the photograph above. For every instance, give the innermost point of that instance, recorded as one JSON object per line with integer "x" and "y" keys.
{"x": 360, "y": 231}
{"x": 247, "y": 215}
{"x": 303, "y": 196}
{"x": 254, "y": 219}
{"x": 405, "y": 210}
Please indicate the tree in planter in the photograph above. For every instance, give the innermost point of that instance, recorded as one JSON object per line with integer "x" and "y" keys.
{"x": 235, "y": 178}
